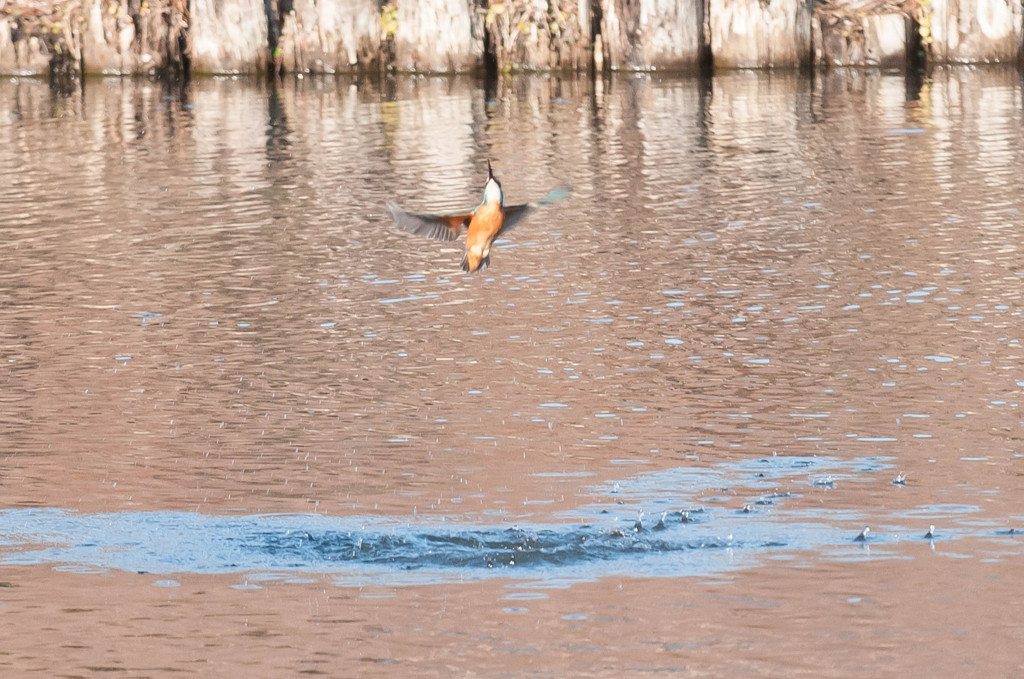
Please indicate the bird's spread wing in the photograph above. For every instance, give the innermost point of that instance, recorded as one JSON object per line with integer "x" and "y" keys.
{"x": 515, "y": 213}
{"x": 440, "y": 227}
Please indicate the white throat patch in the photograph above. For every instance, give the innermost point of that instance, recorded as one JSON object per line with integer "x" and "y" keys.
{"x": 492, "y": 191}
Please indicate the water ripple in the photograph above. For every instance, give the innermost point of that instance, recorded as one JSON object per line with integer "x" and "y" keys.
{"x": 605, "y": 539}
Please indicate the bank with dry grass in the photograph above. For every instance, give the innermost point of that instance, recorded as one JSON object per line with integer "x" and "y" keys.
{"x": 179, "y": 37}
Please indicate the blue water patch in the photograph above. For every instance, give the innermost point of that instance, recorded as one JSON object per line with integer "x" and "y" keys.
{"x": 176, "y": 542}
{"x": 674, "y": 522}
{"x": 413, "y": 298}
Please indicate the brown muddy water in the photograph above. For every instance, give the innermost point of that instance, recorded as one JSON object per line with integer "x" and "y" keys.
{"x": 249, "y": 427}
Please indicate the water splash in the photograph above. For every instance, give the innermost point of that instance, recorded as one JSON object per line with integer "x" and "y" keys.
{"x": 607, "y": 537}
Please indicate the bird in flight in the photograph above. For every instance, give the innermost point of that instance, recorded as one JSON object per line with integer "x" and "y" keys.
{"x": 482, "y": 224}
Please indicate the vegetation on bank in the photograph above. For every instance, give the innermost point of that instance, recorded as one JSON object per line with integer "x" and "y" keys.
{"x": 177, "y": 37}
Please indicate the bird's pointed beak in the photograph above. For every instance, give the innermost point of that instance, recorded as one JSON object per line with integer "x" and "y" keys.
{"x": 490, "y": 172}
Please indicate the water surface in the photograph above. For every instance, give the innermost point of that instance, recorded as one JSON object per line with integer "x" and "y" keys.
{"x": 241, "y": 409}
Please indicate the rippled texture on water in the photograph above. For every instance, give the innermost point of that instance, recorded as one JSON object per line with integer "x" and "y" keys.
{"x": 214, "y": 336}
{"x": 609, "y": 537}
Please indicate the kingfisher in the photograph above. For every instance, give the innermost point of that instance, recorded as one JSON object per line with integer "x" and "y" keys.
{"x": 483, "y": 223}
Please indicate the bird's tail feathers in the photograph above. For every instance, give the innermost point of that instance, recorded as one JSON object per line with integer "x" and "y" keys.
{"x": 481, "y": 265}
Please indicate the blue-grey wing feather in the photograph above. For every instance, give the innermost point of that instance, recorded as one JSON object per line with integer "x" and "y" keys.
{"x": 515, "y": 213}
{"x": 445, "y": 227}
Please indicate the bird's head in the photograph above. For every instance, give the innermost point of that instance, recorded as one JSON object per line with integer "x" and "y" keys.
{"x": 492, "y": 189}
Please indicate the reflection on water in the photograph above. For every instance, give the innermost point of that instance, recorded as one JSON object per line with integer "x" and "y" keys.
{"x": 206, "y": 309}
